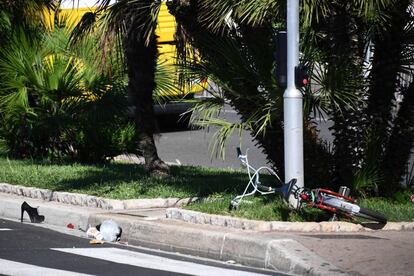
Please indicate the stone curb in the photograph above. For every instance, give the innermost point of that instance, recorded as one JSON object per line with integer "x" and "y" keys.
{"x": 255, "y": 225}
{"x": 92, "y": 201}
{"x": 283, "y": 255}
{"x": 192, "y": 216}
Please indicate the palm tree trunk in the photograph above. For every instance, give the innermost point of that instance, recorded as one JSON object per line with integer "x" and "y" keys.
{"x": 141, "y": 58}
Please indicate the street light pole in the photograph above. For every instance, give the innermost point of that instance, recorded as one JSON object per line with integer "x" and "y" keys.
{"x": 292, "y": 103}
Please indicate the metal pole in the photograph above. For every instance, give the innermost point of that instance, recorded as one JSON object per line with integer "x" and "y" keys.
{"x": 292, "y": 103}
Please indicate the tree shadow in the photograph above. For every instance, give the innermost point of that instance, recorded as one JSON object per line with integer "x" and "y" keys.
{"x": 194, "y": 181}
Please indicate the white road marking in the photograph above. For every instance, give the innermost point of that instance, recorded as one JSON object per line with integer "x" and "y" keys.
{"x": 15, "y": 268}
{"x": 153, "y": 262}
{"x": 5, "y": 229}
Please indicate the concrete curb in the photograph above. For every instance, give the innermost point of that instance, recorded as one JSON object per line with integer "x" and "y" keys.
{"x": 245, "y": 224}
{"x": 92, "y": 201}
{"x": 284, "y": 255}
{"x": 245, "y": 247}
{"x": 189, "y": 216}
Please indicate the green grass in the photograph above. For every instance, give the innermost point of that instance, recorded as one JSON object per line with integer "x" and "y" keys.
{"x": 394, "y": 211}
{"x": 119, "y": 180}
{"x": 128, "y": 181}
{"x": 267, "y": 208}
{"x": 273, "y": 208}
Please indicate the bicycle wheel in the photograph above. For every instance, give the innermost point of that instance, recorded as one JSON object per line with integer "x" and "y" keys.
{"x": 371, "y": 215}
{"x": 350, "y": 208}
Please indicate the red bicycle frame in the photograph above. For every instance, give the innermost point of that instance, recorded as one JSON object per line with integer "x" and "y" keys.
{"x": 318, "y": 202}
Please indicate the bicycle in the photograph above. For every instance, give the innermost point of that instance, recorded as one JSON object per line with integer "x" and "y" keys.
{"x": 339, "y": 204}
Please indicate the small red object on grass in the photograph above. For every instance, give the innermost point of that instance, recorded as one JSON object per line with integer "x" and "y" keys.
{"x": 412, "y": 198}
{"x": 71, "y": 226}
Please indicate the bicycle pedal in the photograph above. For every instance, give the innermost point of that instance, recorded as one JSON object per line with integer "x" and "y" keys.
{"x": 266, "y": 188}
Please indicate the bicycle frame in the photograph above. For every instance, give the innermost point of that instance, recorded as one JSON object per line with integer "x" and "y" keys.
{"x": 323, "y": 199}
{"x": 336, "y": 203}
{"x": 254, "y": 180}
{"x": 330, "y": 201}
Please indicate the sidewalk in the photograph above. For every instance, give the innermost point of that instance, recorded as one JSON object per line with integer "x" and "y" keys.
{"x": 304, "y": 253}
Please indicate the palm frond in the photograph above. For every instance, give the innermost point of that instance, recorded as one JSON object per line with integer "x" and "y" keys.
{"x": 333, "y": 88}
{"x": 142, "y": 14}
{"x": 167, "y": 88}
{"x": 84, "y": 27}
{"x": 221, "y": 14}
{"x": 313, "y": 11}
{"x": 16, "y": 100}
{"x": 215, "y": 14}
{"x": 220, "y": 137}
{"x": 371, "y": 8}
{"x": 257, "y": 13}
{"x": 28, "y": 13}
{"x": 366, "y": 179}
{"x": 5, "y": 23}
{"x": 206, "y": 110}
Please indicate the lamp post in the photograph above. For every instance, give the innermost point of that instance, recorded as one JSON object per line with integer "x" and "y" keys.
{"x": 292, "y": 104}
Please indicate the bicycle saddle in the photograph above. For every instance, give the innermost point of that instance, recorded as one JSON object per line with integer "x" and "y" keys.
{"x": 286, "y": 189}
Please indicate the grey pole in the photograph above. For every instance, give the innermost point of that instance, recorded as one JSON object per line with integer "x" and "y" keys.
{"x": 292, "y": 104}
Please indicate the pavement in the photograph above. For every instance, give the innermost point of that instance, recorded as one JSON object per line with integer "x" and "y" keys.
{"x": 328, "y": 248}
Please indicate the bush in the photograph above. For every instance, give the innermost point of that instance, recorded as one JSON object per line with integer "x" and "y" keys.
{"x": 60, "y": 101}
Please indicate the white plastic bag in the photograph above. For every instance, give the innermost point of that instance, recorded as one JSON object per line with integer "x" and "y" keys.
{"x": 110, "y": 230}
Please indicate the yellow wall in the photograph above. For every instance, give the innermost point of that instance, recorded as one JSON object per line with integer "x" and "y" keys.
{"x": 165, "y": 31}
{"x": 165, "y": 28}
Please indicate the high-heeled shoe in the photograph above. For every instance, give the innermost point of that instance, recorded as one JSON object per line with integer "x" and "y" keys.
{"x": 32, "y": 212}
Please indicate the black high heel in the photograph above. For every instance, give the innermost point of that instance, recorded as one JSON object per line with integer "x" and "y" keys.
{"x": 32, "y": 212}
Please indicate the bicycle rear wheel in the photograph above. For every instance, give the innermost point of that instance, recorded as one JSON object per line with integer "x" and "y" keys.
{"x": 371, "y": 215}
{"x": 348, "y": 207}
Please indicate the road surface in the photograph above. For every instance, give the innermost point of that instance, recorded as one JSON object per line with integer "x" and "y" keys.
{"x": 32, "y": 250}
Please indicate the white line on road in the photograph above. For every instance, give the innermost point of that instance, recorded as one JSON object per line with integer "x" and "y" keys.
{"x": 5, "y": 229}
{"x": 153, "y": 262}
{"x": 15, "y": 268}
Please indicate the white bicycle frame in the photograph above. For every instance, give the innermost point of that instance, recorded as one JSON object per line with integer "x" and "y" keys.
{"x": 341, "y": 204}
{"x": 254, "y": 181}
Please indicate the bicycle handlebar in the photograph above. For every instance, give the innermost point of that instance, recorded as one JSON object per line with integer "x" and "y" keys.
{"x": 238, "y": 151}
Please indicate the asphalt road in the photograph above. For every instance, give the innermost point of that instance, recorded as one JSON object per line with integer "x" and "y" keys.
{"x": 193, "y": 147}
{"x": 26, "y": 249}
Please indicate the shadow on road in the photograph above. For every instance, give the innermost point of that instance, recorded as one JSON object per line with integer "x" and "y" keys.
{"x": 173, "y": 123}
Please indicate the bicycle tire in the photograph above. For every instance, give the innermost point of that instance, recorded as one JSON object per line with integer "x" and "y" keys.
{"x": 354, "y": 209}
{"x": 371, "y": 215}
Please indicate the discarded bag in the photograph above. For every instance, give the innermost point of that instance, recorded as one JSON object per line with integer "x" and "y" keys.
{"x": 108, "y": 230}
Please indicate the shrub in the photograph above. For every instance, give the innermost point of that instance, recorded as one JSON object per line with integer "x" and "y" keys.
{"x": 61, "y": 101}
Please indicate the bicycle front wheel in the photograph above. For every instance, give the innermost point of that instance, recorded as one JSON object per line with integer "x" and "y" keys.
{"x": 371, "y": 215}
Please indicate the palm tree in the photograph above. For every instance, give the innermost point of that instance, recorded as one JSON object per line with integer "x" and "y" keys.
{"x": 390, "y": 122}
{"x": 29, "y": 14}
{"x": 237, "y": 54}
{"x": 59, "y": 101}
{"x": 134, "y": 22}
{"x": 234, "y": 41}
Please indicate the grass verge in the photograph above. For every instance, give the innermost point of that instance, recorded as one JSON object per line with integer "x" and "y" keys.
{"x": 119, "y": 180}
{"x": 128, "y": 181}
{"x": 270, "y": 208}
